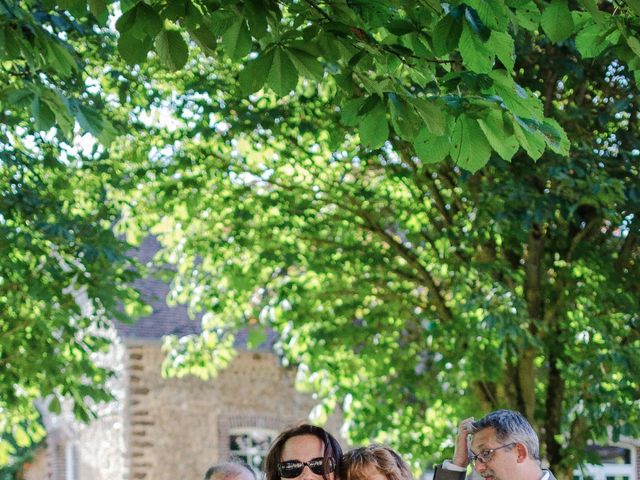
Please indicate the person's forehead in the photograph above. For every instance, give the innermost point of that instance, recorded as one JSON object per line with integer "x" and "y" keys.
{"x": 302, "y": 447}
{"x": 244, "y": 474}
{"x": 484, "y": 439}
{"x": 370, "y": 472}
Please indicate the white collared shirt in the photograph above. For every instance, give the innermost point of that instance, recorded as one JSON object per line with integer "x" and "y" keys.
{"x": 449, "y": 465}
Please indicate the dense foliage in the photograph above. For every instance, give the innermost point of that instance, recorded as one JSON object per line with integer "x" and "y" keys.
{"x": 390, "y": 186}
{"x": 63, "y": 273}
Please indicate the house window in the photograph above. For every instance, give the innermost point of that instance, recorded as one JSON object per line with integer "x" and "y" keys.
{"x": 250, "y": 445}
{"x": 618, "y": 463}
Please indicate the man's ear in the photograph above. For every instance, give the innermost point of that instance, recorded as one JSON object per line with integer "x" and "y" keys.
{"x": 522, "y": 452}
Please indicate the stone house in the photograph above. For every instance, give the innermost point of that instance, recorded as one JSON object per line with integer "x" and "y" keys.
{"x": 172, "y": 428}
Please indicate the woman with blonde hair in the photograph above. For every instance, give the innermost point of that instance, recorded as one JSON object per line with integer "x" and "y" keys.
{"x": 375, "y": 462}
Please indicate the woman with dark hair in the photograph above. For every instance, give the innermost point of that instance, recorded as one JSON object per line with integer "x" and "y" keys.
{"x": 305, "y": 452}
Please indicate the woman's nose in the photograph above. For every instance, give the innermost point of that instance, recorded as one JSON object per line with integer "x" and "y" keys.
{"x": 307, "y": 474}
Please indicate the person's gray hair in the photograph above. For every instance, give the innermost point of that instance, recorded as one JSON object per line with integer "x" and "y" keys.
{"x": 510, "y": 427}
{"x": 228, "y": 470}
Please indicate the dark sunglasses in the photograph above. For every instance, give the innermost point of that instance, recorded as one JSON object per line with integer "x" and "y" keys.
{"x": 293, "y": 468}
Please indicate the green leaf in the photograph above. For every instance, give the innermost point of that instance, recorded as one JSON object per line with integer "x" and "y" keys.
{"x": 498, "y": 135}
{"x": 431, "y": 148}
{"x": 54, "y": 405}
{"x": 400, "y": 27}
{"x": 528, "y": 16}
{"x": 350, "y": 111}
{"x": 446, "y": 35}
{"x": 557, "y": 21}
{"x": 172, "y": 49}
{"x": 503, "y": 45}
{"x": 95, "y": 124}
{"x": 9, "y": 46}
{"x": 204, "y": 39}
{"x": 635, "y": 6}
{"x": 373, "y": 129}
{"x": 99, "y": 10}
{"x": 283, "y": 76}
{"x": 236, "y": 40}
{"x": 422, "y": 74}
{"x": 60, "y": 107}
{"x": 531, "y": 140}
{"x": 433, "y": 114}
{"x": 404, "y": 118}
{"x": 555, "y": 136}
{"x": 17, "y": 96}
{"x": 592, "y": 7}
{"x": 141, "y": 22}
{"x": 590, "y": 41}
{"x": 222, "y": 20}
{"x": 516, "y": 98}
{"x": 76, "y": 7}
{"x": 306, "y": 64}
{"x": 494, "y": 14}
{"x": 256, "y": 17}
{"x": 634, "y": 44}
{"x": 469, "y": 147}
{"x": 61, "y": 59}
{"x": 476, "y": 56}
{"x": 255, "y": 72}
{"x": 80, "y": 410}
{"x": 44, "y": 117}
{"x": 132, "y": 49}
{"x": 473, "y": 21}
{"x": 372, "y": 86}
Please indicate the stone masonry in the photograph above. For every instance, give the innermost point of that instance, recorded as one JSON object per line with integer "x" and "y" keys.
{"x": 179, "y": 427}
{"x": 168, "y": 428}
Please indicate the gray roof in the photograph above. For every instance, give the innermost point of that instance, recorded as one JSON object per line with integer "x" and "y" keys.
{"x": 165, "y": 319}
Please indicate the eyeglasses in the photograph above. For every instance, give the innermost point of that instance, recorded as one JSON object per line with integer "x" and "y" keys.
{"x": 293, "y": 468}
{"x": 485, "y": 456}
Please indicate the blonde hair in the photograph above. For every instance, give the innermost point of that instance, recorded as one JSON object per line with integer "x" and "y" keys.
{"x": 384, "y": 459}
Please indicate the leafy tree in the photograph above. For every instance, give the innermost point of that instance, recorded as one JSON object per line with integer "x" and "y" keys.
{"x": 404, "y": 288}
{"x": 350, "y": 205}
{"x": 63, "y": 274}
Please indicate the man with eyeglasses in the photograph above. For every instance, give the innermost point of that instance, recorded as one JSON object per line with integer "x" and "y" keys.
{"x": 501, "y": 446}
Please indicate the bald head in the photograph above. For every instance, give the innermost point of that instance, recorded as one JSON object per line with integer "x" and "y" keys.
{"x": 230, "y": 471}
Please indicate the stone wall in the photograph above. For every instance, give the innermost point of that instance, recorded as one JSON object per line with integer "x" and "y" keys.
{"x": 38, "y": 468}
{"x": 179, "y": 427}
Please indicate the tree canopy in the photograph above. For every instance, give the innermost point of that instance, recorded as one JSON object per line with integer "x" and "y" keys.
{"x": 389, "y": 185}
{"x": 64, "y": 275}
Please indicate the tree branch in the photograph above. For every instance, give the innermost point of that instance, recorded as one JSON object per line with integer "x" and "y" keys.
{"x": 533, "y": 273}
{"x": 410, "y": 257}
{"x": 526, "y": 382}
{"x": 553, "y": 405}
{"x": 485, "y": 395}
